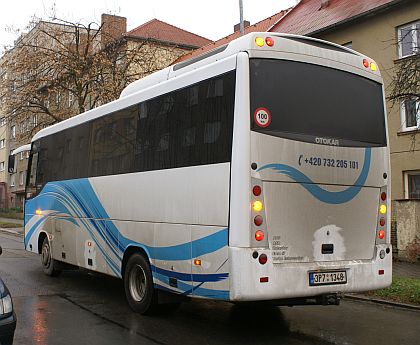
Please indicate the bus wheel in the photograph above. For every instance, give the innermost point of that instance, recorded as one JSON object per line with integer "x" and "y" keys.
{"x": 138, "y": 285}
{"x": 48, "y": 263}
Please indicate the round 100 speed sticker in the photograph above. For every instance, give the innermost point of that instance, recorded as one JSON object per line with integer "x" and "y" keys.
{"x": 262, "y": 117}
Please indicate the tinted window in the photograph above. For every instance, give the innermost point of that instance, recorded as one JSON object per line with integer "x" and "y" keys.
{"x": 307, "y": 101}
{"x": 187, "y": 127}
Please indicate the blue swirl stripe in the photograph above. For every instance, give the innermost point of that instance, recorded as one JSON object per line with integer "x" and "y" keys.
{"x": 76, "y": 201}
{"x": 319, "y": 193}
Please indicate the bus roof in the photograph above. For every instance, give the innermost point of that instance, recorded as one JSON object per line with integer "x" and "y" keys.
{"x": 244, "y": 43}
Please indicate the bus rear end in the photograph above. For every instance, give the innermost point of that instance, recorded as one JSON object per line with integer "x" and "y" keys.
{"x": 317, "y": 177}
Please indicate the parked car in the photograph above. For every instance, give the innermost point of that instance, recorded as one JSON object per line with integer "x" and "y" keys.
{"x": 7, "y": 315}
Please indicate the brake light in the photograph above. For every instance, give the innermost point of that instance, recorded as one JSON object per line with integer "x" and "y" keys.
{"x": 382, "y": 222}
{"x": 366, "y": 63}
{"x": 381, "y": 234}
{"x": 259, "y": 235}
{"x": 383, "y": 196}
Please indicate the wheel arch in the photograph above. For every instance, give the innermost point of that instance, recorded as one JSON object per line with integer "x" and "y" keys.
{"x": 42, "y": 235}
{"x": 130, "y": 250}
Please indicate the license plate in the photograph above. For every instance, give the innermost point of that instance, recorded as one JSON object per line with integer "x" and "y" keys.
{"x": 327, "y": 278}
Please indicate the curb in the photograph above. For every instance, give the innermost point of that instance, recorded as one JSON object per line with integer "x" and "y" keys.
{"x": 382, "y": 301}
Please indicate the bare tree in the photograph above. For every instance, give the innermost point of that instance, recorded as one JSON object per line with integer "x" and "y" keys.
{"x": 60, "y": 69}
{"x": 404, "y": 89}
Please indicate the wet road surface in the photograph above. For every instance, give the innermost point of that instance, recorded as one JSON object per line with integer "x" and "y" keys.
{"x": 80, "y": 307}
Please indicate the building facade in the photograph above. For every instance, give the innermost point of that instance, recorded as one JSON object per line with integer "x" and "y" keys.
{"x": 119, "y": 57}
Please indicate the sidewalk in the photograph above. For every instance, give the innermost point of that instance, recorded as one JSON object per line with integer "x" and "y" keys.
{"x": 406, "y": 269}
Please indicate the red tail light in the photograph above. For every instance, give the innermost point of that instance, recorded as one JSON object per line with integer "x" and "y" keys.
{"x": 365, "y": 63}
{"x": 382, "y": 222}
{"x": 383, "y": 196}
{"x": 258, "y": 220}
{"x": 259, "y": 235}
{"x": 269, "y": 41}
{"x": 381, "y": 234}
{"x": 256, "y": 190}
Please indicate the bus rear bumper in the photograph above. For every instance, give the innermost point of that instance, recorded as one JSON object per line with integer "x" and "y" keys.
{"x": 252, "y": 281}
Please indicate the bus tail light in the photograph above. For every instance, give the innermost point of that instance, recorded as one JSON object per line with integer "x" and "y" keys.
{"x": 259, "y": 235}
{"x": 381, "y": 225}
{"x": 256, "y": 190}
{"x": 257, "y": 206}
{"x": 258, "y": 220}
{"x": 259, "y": 41}
{"x": 269, "y": 41}
{"x": 258, "y": 227}
{"x": 262, "y": 259}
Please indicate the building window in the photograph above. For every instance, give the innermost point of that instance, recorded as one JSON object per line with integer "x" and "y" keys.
{"x": 12, "y": 180}
{"x": 13, "y": 131}
{"x": 2, "y": 166}
{"x": 2, "y": 121}
{"x": 410, "y": 115}
{"x": 21, "y": 178}
{"x": 2, "y": 143}
{"x": 22, "y": 155}
{"x": 412, "y": 184}
{"x": 408, "y": 39}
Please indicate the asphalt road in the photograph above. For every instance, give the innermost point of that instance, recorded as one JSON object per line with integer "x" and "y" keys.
{"x": 80, "y": 307}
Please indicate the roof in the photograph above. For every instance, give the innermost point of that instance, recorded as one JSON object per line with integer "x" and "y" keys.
{"x": 261, "y": 26}
{"x": 161, "y": 31}
{"x": 308, "y": 17}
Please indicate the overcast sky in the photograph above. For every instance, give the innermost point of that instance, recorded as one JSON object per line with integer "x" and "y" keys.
{"x": 212, "y": 19}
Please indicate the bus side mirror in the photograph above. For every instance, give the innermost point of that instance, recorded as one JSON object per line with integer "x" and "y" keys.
{"x": 11, "y": 165}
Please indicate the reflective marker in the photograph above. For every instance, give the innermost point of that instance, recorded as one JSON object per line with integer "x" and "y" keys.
{"x": 264, "y": 280}
{"x": 197, "y": 262}
{"x": 373, "y": 66}
{"x": 38, "y": 212}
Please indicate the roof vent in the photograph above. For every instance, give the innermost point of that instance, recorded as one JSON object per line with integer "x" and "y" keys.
{"x": 324, "y": 4}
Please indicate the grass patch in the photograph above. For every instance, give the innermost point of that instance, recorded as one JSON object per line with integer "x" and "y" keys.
{"x": 9, "y": 225}
{"x": 12, "y": 215}
{"x": 404, "y": 290}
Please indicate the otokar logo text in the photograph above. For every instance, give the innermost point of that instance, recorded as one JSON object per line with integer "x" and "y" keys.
{"x": 327, "y": 141}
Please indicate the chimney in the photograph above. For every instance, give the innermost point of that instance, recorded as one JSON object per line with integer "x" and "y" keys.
{"x": 237, "y": 27}
{"x": 113, "y": 27}
{"x": 324, "y": 4}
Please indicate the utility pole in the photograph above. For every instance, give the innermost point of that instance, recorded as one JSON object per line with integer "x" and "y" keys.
{"x": 241, "y": 17}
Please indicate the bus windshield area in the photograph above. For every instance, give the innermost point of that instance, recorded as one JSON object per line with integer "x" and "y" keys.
{"x": 306, "y": 101}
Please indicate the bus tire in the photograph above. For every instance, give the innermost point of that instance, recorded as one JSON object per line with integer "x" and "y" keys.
{"x": 49, "y": 265}
{"x": 138, "y": 285}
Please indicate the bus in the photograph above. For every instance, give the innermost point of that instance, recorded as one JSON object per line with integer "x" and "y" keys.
{"x": 256, "y": 172}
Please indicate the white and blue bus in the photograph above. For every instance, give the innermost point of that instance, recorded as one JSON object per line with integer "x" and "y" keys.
{"x": 256, "y": 172}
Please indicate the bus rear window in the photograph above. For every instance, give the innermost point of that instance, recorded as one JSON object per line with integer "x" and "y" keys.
{"x": 306, "y": 101}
